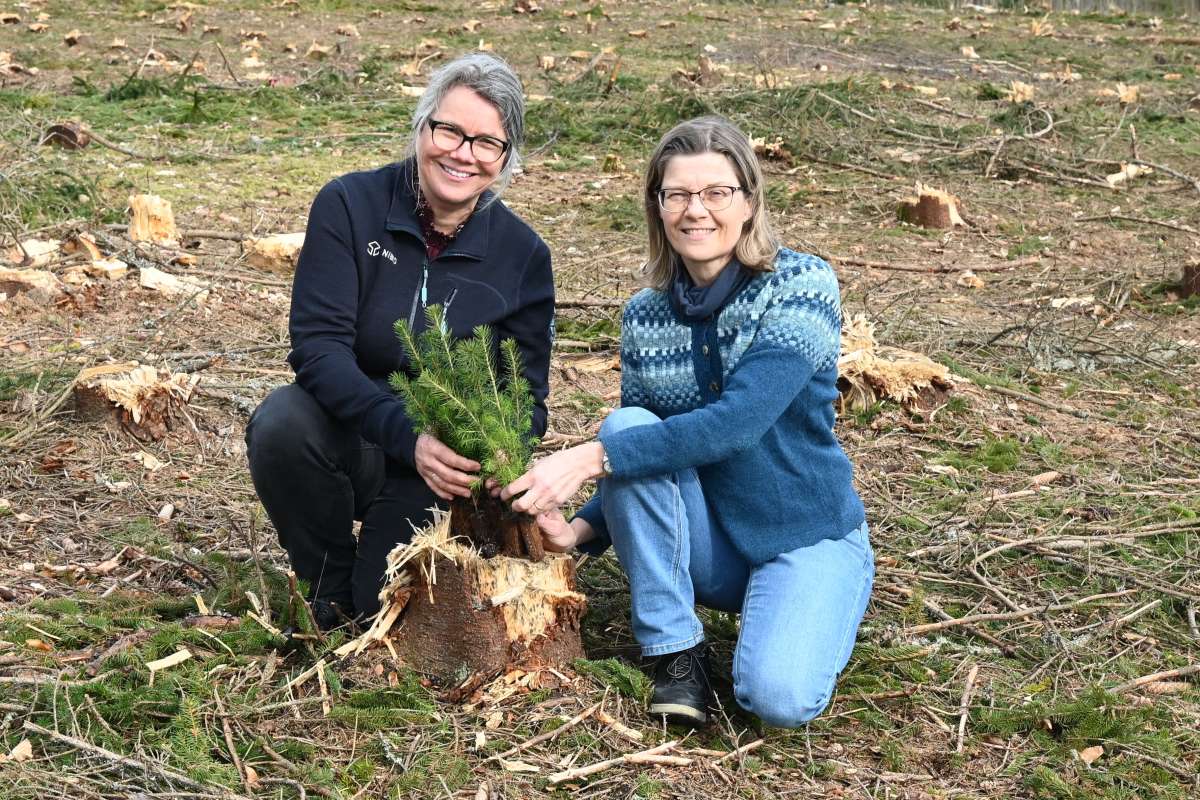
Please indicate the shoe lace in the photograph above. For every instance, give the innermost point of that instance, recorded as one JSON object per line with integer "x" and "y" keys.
{"x": 683, "y": 665}
{"x": 680, "y": 667}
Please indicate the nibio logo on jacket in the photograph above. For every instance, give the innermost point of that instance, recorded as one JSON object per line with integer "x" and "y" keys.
{"x": 373, "y": 249}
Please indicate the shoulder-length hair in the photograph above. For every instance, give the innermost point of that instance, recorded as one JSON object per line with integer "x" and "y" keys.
{"x": 758, "y": 246}
{"x": 491, "y": 78}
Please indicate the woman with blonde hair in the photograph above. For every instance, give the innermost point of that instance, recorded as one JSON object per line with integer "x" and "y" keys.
{"x": 721, "y": 481}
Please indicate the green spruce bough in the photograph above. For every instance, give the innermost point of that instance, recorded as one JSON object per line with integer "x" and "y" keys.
{"x": 459, "y": 396}
{"x": 481, "y": 411}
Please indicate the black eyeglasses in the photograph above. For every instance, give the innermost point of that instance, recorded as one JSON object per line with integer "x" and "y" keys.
{"x": 714, "y": 198}
{"x": 450, "y": 137}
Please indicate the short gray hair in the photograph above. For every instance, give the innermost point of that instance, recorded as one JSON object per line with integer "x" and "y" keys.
{"x": 494, "y": 80}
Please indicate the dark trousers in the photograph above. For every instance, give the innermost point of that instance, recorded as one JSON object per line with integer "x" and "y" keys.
{"x": 315, "y": 475}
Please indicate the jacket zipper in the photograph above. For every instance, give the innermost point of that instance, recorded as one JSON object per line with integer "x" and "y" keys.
{"x": 421, "y": 294}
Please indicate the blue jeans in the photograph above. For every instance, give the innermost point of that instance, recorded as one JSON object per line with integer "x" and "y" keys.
{"x": 799, "y": 611}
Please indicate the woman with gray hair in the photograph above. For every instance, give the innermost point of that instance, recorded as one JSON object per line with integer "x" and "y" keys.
{"x": 337, "y": 446}
{"x": 721, "y": 481}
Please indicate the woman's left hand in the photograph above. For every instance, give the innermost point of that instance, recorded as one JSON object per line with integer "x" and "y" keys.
{"x": 552, "y": 480}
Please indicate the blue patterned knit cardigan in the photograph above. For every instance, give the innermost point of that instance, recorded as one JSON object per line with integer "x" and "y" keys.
{"x": 760, "y": 433}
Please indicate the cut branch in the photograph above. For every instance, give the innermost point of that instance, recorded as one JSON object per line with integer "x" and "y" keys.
{"x": 162, "y": 773}
{"x": 631, "y": 758}
{"x": 945, "y": 268}
{"x": 1005, "y": 616}
{"x": 1191, "y": 669}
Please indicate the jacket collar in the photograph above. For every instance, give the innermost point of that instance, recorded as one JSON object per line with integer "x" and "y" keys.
{"x": 472, "y": 240}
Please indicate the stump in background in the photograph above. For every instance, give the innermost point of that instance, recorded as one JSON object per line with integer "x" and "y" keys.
{"x": 930, "y": 208}
{"x": 152, "y": 220}
{"x": 448, "y": 612}
{"x": 143, "y": 400}
{"x": 1190, "y": 282}
{"x": 278, "y": 253}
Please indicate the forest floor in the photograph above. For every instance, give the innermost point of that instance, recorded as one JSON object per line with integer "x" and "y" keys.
{"x": 1036, "y": 535}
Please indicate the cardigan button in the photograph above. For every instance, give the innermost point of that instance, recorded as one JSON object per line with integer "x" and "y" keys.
{"x": 704, "y": 349}
{"x": 714, "y": 386}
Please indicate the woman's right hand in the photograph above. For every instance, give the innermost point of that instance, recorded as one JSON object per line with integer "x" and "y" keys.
{"x": 557, "y": 534}
{"x": 445, "y": 472}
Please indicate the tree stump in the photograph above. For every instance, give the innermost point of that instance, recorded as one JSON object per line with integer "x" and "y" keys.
{"x": 448, "y": 612}
{"x": 1190, "y": 283}
{"x": 40, "y": 285}
{"x": 142, "y": 400}
{"x": 152, "y": 220}
{"x": 869, "y": 372}
{"x": 278, "y": 253}
{"x": 930, "y": 208}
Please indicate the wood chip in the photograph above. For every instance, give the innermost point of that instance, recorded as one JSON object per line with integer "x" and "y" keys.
{"x": 175, "y": 659}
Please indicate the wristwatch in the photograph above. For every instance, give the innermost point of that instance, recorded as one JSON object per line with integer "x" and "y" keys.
{"x": 605, "y": 464}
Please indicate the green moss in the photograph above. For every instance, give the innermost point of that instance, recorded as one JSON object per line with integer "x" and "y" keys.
{"x": 618, "y": 675}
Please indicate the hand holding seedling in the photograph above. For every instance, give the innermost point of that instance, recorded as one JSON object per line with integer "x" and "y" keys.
{"x": 447, "y": 473}
{"x": 553, "y": 480}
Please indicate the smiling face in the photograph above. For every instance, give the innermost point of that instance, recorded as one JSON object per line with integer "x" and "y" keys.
{"x": 704, "y": 239}
{"x": 452, "y": 180}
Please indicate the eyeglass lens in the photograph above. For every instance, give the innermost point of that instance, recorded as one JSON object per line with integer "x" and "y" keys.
{"x": 714, "y": 198}
{"x": 448, "y": 137}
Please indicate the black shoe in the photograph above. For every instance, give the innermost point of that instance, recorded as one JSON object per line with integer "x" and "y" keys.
{"x": 332, "y": 614}
{"x": 681, "y": 689}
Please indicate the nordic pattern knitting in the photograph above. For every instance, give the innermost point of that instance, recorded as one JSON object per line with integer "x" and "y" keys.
{"x": 796, "y": 307}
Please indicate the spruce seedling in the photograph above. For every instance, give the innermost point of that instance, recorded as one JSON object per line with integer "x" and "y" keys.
{"x": 459, "y": 396}
{"x": 482, "y": 410}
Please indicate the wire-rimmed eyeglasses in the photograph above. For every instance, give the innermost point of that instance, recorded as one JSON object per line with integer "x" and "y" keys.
{"x": 714, "y": 198}
{"x": 448, "y": 136}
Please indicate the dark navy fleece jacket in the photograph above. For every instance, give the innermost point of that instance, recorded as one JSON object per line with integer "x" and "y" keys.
{"x": 363, "y": 266}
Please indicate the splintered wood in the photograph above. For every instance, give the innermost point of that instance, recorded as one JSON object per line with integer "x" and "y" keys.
{"x": 143, "y": 400}
{"x": 151, "y": 220}
{"x": 869, "y": 372}
{"x": 930, "y": 208}
{"x": 447, "y": 611}
{"x": 278, "y": 253}
{"x": 41, "y": 286}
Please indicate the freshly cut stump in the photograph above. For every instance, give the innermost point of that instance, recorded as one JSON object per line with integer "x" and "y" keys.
{"x": 152, "y": 220}
{"x": 930, "y": 208}
{"x": 278, "y": 253}
{"x": 142, "y": 400}
{"x": 448, "y": 612}
{"x": 869, "y": 372}
{"x": 42, "y": 286}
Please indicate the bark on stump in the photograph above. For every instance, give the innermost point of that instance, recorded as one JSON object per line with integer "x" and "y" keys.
{"x": 448, "y": 612}
{"x": 493, "y": 529}
{"x": 142, "y": 400}
{"x": 930, "y": 208}
{"x": 1190, "y": 284}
